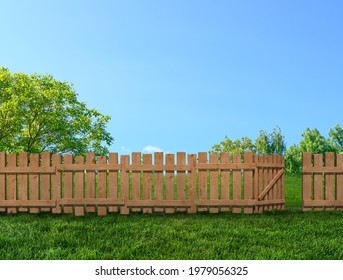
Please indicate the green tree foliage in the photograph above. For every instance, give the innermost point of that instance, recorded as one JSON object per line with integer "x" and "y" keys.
{"x": 266, "y": 143}
{"x": 38, "y": 113}
{"x": 293, "y": 160}
{"x": 271, "y": 143}
{"x": 238, "y": 146}
{"x": 335, "y": 140}
{"x": 314, "y": 142}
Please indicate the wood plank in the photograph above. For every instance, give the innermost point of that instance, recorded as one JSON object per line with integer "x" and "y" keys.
{"x": 23, "y": 180}
{"x": 45, "y": 180}
{"x": 159, "y": 167}
{"x": 88, "y": 167}
{"x": 27, "y": 170}
{"x": 261, "y": 181}
{"x": 168, "y": 204}
{"x": 323, "y": 169}
{"x": 266, "y": 180}
{"x": 318, "y": 180}
{"x": 330, "y": 179}
{"x": 202, "y": 179}
{"x": 275, "y": 189}
{"x": 113, "y": 181}
{"x": 307, "y": 179}
{"x": 323, "y": 203}
{"x": 147, "y": 182}
{"x": 279, "y": 183}
{"x": 2, "y": 179}
{"x": 102, "y": 186}
{"x": 124, "y": 183}
{"x": 170, "y": 182}
{"x": 181, "y": 178}
{"x": 224, "y": 181}
{"x": 56, "y": 183}
{"x": 34, "y": 182}
{"x": 90, "y": 180}
{"x": 270, "y": 165}
{"x": 28, "y": 203}
{"x": 256, "y": 181}
{"x": 68, "y": 183}
{"x": 91, "y": 201}
{"x": 136, "y": 179}
{"x": 192, "y": 183}
{"x": 214, "y": 183}
{"x": 248, "y": 182}
{"x": 237, "y": 203}
{"x": 12, "y": 182}
{"x": 236, "y": 183}
{"x": 339, "y": 180}
{"x": 158, "y": 180}
{"x": 79, "y": 186}
{"x": 225, "y": 166}
{"x": 283, "y": 184}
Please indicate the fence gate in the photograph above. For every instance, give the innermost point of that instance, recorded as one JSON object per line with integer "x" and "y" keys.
{"x": 322, "y": 181}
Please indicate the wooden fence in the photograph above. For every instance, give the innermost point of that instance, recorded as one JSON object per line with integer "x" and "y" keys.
{"x": 66, "y": 184}
{"x": 322, "y": 181}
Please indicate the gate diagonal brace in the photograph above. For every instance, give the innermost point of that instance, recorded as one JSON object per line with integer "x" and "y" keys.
{"x": 271, "y": 184}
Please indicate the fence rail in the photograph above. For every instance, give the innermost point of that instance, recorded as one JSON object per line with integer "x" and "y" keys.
{"x": 145, "y": 182}
{"x": 322, "y": 181}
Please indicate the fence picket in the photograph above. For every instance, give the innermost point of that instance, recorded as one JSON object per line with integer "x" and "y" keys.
{"x": 12, "y": 182}
{"x": 248, "y": 182}
{"x": 158, "y": 176}
{"x": 330, "y": 179}
{"x": 113, "y": 181}
{"x": 147, "y": 181}
{"x": 339, "y": 180}
{"x": 224, "y": 181}
{"x": 79, "y": 185}
{"x": 213, "y": 183}
{"x": 2, "y": 179}
{"x": 318, "y": 180}
{"x": 102, "y": 186}
{"x": 68, "y": 183}
{"x": 307, "y": 180}
{"x": 236, "y": 183}
{"x": 56, "y": 181}
{"x": 192, "y": 183}
{"x": 136, "y": 180}
{"x": 170, "y": 183}
{"x": 45, "y": 185}
{"x": 90, "y": 181}
{"x": 181, "y": 179}
{"x": 124, "y": 183}
{"x": 202, "y": 178}
{"x": 23, "y": 180}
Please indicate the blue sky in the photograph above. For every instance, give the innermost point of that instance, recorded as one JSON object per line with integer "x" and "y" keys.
{"x": 180, "y": 75}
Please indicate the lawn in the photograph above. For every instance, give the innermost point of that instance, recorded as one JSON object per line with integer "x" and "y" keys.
{"x": 288, "y": 234}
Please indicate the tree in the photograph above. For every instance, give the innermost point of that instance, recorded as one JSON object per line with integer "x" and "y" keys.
{"x": 39, "y": 113}
{"x": 335, "y": 140}
{"x": 271, "y": 143}
{"x": 314, "y": 142}
{"x": 293, "y": 160}
{"x": 238, "y": 146}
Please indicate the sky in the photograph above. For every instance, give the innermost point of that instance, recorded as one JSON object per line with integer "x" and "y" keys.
{"x": 179, "y": 76}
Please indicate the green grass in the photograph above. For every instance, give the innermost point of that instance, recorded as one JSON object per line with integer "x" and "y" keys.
{"x": 288, "y": 234}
